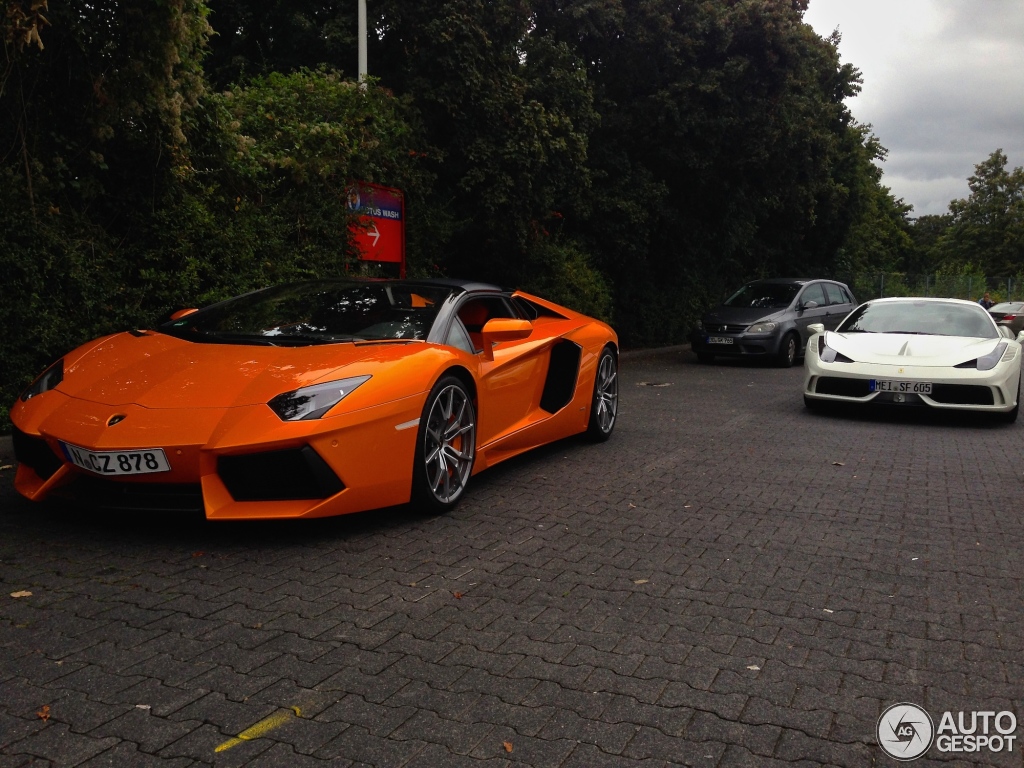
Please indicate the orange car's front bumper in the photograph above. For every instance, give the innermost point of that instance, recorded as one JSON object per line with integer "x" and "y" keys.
{"x": 370, "y": 451}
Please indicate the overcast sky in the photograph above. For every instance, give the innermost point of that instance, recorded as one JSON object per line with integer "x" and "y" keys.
{"x": 943, "y": 86}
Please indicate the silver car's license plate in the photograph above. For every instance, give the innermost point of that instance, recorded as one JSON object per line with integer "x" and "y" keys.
{"x": 916, "y": 387}
{"x": 720, "y": 340}
{"x": 138, "y": 462}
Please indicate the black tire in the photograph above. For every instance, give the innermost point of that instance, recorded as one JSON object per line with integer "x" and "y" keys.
{"x": 705, "y": 357}
{"x": 445, "y": 447}
{"x": 788, "y": 350}
{"x": 604, "y": 403}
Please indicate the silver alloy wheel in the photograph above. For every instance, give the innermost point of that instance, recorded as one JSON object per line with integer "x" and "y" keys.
{"x": 606, "y": 392}
{"x": 449, "y": 442}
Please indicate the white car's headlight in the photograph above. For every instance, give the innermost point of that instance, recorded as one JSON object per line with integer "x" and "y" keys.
{"x": 762, "y": 327}
{"x": 991, "y": 360}
{"x": 829, "y": 355}
{"x": 313, "y": 402}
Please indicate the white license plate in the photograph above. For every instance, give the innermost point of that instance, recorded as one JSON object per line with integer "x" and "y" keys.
{"x": 917, "y": 387}
{"x": 139, "y": 462}
{"x": 719, "y": 339}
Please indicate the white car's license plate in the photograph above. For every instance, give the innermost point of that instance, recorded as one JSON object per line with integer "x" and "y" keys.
{"x": 719, "y": 339}
{"x": 139, "y": 462}
{"x": 916, "y": 387}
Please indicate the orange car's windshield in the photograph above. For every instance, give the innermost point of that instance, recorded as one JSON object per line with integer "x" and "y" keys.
{"x": 321, "y": 312}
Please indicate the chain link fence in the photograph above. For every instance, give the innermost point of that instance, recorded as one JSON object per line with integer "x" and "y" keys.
{"x": 970, "y": 287}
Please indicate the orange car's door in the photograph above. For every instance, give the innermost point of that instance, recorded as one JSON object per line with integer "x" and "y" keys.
{"x": 510, "y": 387}
{"x": 509, "y": 373}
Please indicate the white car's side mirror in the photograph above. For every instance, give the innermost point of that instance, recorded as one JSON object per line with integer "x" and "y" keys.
{"x": 814, "y": 328}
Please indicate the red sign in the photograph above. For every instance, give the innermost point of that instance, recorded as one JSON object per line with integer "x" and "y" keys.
{"x": 379, "y": 230}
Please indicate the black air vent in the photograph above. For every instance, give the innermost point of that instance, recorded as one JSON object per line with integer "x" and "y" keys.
{"x": 563, "y": 371}
{"x": 35, "y": 452}
{"x": 834, "y": 385}
{"x": 962, "y": 394}
{"x": 134, "y": 497}
{"x": 294, "y": 473}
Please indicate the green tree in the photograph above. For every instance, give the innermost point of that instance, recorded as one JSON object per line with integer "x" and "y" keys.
{"x": 925, "y": 233}
{"x": 723, "y": 152}
{"x": 987, "y": 227}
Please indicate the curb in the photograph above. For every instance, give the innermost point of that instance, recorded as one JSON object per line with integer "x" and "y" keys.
{"x": 639, "y": 354}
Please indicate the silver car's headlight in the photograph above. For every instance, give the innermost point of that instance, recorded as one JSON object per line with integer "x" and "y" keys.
{"x": 762, "y": 327}
{"x": 313, "y": 402}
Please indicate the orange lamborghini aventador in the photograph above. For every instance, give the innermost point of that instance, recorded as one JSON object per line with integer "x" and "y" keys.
{"x": 316, "y": 398}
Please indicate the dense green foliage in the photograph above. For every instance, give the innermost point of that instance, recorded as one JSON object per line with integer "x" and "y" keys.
{"x": 631, "y": 158}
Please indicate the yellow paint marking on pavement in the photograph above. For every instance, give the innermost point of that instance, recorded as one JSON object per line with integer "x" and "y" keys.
{"x": 261, "y": 728}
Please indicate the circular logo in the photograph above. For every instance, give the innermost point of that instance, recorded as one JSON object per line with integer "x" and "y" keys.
{"x": 905, "y": 731}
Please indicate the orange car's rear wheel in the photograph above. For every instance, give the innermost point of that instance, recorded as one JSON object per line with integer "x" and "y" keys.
{"x": 446, "y": 446}
{"x": 604, "y": 406}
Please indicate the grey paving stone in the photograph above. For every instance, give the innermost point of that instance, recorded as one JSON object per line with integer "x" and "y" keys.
{"x": 58, "y": 743}
{"x": 728, "y": 582}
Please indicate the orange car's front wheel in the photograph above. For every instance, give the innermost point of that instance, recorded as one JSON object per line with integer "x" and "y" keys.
{"x": 446, "y": 446}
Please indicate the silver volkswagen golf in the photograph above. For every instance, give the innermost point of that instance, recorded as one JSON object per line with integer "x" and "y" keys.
{"x": 769, "y": 319}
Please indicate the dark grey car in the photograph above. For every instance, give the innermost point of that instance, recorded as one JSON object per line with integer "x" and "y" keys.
{"x": 769, "y": 319}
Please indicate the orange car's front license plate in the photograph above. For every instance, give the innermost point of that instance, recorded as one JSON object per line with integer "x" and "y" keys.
{"x": 139, "y": 462}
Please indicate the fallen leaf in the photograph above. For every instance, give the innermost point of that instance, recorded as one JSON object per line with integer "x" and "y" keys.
{"x": 828, "y": 610}
{"x": 632, "y": 506}
{"x": 44, "y": 713}
{"x": 507, "y": 745}
{"x": 641, "y": 581}
{"x": 754, "y": 668}
{"x": 838, "y": 464}
{"x": 458, "y": 595}
{"x": 6, "y": 467}
{"x": 143, "y": 706}
{"x": 23, "y": 593}
{"x": 198, "y": 554}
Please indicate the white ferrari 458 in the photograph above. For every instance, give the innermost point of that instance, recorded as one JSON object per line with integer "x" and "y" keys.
{"x": 941, "y": 353}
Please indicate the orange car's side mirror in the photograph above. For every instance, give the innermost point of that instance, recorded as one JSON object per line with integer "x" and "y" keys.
{"x": 182, "y": 312}
{"x": 505, "y": 329}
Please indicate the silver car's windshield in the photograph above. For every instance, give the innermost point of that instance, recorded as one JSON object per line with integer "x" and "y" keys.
{"x": 930, "y": 318}
{"x": 764, "y": 295}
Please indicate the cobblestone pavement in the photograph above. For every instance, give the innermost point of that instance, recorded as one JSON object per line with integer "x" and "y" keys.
{"x": 730, "y": 581}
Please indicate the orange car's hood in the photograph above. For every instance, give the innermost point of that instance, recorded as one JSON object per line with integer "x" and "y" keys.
{"x": 159, "y": 371}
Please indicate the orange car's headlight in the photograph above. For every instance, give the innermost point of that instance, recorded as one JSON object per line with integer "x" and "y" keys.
{"x": 313, "y": 402}
{"x": 46, "y": 381}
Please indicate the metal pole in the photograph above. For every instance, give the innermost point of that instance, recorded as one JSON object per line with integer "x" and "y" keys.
{"x": 362, "y": 41}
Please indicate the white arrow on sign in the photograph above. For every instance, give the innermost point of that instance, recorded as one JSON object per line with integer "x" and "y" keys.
{"x": 374, "y": 233}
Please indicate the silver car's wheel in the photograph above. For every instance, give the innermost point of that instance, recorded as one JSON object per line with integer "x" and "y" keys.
{"x": 787, "y": 351}
{"x": 446, "y": 446}
{"x": 604, "y": 407}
